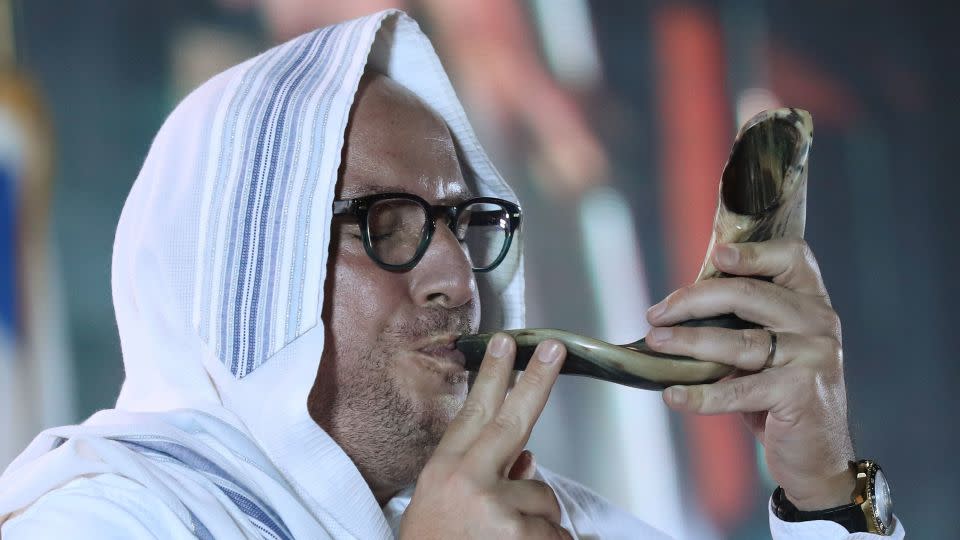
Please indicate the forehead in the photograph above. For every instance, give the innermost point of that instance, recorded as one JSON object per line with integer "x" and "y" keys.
{"x": 397, "y": 143}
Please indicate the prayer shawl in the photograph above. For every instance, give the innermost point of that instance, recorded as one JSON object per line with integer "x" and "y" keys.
{"x": 218, "y": 271}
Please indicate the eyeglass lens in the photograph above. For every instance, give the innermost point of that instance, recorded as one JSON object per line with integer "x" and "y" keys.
{"x": 396, "y": 228}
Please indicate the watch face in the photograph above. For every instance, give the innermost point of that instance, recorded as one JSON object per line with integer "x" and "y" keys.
{"x": 883, "y": 503}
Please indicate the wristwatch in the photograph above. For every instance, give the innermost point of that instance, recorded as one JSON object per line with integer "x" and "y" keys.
{"x": 870, "y": 509}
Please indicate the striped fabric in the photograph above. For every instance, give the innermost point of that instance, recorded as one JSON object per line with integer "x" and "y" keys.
{"x": 261, "y": 516}
{"x": 257, "y": 196}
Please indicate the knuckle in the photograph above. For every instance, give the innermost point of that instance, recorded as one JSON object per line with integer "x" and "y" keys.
{"x": 534, "y": 375}
{"x": 804, "y": 252}
{"x": 797, "y": 250}
{"x": 749, "y": 340}
{"x": 741, "y": 390}
{"x": 799, "y": 246}
{"x": 831, "y": 320}
{"x": 509, "y": 423}
{"x": 676, "y": 298}
{"x": 747, "y": 345}
{"x": 452, "y": 479}
{"x": 474, "y": 410}
{"x": 745, "y": 286}
{"x": 807, "y": 380}
{"x": 792, "y": 301}
{"x": 683, "y": 336}
{"x": 835, "y": 348}
{"x": 832, "y": 350}
{"x": 695, "y": 398}
{"x": 796, "y": 378}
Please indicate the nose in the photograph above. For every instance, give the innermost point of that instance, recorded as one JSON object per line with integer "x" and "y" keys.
{"x": 444, "y": 276}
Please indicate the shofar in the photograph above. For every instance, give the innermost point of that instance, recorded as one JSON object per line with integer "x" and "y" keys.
{"x": 763, "y": 194}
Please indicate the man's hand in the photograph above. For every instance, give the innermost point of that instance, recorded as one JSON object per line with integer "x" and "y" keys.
{"x": 796, "y": 405}
{"x": 474, "y": 486}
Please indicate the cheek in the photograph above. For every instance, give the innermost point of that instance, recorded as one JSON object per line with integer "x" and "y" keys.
{"x": 363, "y": 299}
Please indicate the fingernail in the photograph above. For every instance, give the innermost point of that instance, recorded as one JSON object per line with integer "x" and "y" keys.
{"x": 657, "y": 310}
{"x": 660, "y": 334}
{"x": 499, "y": 345}
{"x": 550, "y": 352}
{"x": 728, "y": 255}
{"x": 677, "y": 395}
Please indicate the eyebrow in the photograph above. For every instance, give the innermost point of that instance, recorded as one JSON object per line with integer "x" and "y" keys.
{"x": 374, "y": 189}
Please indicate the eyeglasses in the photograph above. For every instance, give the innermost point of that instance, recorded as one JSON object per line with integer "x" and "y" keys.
{"x": 396, "y": 228}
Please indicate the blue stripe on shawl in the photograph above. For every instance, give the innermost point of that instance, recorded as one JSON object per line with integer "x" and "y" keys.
{"x": 199, "y": 529}
{"x": 227, "y": 278}
{"x": 219, "y": 184}
{"x": 251, "y": 509}
{"x": 255, "y": 184}
{"x": 258, "y": 512}
{"x": 251, "y": 303}
{"x": 305, "y": 201}
{"x": 267, "y": 187}
{"x": 279, "y": 224}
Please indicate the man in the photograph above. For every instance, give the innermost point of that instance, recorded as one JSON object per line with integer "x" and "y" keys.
{"x": 274, "y": 392}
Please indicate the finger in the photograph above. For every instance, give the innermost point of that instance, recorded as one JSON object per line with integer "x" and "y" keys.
{"x": 503, "y": 438}
{"x": 524, "y": 467}
{"x": 537, "y": 527}
{"x": 761, "y": 302}
{"x": 745, "y": 349}
{"x": 532, "y": 498}
{"x": 485, "y": 397}
{"x": 790, "y": 263}
{"x": 751, "y": 393}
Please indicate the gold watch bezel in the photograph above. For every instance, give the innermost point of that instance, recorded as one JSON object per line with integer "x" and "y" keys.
{"x": 865, "y": 496}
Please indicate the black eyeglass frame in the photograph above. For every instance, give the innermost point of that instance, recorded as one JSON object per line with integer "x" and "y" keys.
{"x": 359, "y": 208}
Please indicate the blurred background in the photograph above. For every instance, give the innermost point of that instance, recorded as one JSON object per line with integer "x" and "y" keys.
{"x": 613, "y": 120}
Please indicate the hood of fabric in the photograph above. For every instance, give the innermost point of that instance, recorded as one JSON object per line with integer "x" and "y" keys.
{"x": 221, "y": 249}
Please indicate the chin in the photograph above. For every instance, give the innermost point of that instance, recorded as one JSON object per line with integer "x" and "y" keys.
{"x": 434, "y": 412}
{"x": 442, "y": 402}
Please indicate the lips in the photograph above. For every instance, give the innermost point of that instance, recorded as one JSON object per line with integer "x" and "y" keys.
{"x": 446, "y": 354}
{"x": 442, "y": 349}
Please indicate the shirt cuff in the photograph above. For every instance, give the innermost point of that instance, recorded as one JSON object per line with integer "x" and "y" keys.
{"x": 822, "y": 529}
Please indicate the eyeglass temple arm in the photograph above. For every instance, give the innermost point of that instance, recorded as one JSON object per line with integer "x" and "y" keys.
{"x": 491, "y": 217}
{"x": 342, "y": 207}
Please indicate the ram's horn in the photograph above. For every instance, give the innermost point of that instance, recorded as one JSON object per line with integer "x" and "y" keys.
{"x": 763, "y": 193}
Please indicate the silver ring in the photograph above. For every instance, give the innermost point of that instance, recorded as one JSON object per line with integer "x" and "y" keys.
{"x": 773, "y": 349}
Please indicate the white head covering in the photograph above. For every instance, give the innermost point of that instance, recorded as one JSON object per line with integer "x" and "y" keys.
{"x": 220, "y": 259}
{"x": 221, "y": 250}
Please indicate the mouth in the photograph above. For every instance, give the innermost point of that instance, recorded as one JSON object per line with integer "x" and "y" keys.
{"x": 443, "y": 354}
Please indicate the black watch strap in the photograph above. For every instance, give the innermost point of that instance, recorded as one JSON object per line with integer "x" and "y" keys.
{"x": 850, "y": 516}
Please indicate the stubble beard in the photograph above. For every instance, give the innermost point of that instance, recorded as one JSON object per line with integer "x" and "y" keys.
{"x": 386, "y": 432}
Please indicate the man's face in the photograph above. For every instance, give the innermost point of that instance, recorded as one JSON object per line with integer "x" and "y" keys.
{"x": 390, "y": 382}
